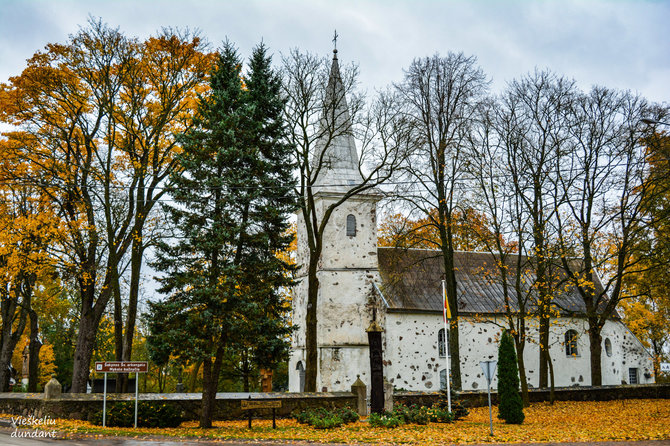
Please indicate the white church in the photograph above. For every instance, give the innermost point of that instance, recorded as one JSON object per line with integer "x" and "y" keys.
{"x": 404, "y": 288}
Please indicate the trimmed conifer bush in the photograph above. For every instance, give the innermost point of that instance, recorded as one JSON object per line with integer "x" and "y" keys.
{"x": 510, "y": 405}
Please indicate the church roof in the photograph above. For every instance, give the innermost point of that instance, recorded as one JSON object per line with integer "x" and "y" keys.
{"x": 412, "y": 281}
{"x": 336, "y": 154}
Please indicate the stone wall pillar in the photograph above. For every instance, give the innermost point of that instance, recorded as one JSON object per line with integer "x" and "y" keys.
{"x": 52, "y": 389}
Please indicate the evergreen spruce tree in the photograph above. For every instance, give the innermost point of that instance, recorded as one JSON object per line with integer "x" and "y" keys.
{"x": 233, "y": 197}
{"x": 510, "y": 405}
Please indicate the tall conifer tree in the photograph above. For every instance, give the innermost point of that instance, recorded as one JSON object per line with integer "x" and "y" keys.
{"x": 233, "y": 198}
{"x": 510, "y": 405}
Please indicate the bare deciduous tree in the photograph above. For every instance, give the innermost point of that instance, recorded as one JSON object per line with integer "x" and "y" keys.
{"x": 439, "y": 98}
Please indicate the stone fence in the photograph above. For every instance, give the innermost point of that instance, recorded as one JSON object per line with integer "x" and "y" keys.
{"x": 228, "y": 405}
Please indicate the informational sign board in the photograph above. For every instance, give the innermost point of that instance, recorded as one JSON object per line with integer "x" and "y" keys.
{"x": 665, "y": 367}
{"x": 122, "y": 367}
{"x": 259, "y": 404}
{"x": 262, "y": 404}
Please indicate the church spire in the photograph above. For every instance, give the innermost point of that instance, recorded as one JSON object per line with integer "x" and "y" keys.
{"x": 336, "y": 148}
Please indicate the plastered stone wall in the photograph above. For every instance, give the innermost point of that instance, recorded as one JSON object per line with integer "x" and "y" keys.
{"x": 413, "y": 363}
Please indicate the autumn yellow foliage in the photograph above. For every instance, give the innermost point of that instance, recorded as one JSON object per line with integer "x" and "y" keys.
{"x": 562, "y": 422}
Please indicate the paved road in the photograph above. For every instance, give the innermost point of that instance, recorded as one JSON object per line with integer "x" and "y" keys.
{"x": 7, "y": 439}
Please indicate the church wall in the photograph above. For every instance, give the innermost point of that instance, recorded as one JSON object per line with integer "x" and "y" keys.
{"x": 413, "y": 363}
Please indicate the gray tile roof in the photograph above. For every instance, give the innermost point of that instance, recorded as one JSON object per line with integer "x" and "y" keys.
{"x": 411, "y": 280}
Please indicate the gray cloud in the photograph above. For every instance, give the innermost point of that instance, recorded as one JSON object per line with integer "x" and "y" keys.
{"x": 620, "y": 44}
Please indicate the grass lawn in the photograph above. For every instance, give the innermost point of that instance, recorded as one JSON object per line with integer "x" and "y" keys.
{"x": 563, "y": 422}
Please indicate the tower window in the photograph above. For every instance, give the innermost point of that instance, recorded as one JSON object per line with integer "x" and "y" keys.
{"x": 608, "y": 347}
{"x": 571, "y": 343}
{"x": 351, "y": 225}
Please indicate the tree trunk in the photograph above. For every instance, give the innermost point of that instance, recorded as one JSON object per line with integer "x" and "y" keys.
{"x": 208, "y": 395}
{"x": 544, "y": 349}
{"x": 33, "y": 352}
{"x": 5, "y": 362}
{"x": 595, "y": 341}
{"x": 9, "y": 340}
{"x": 311, "y": 347}
{"x": 133, "y": 295}
{"x": 210, "y": 373}
{"x": 552, "y": 393}
{"x": 522, "y": 371}
{"x": 88, "y": 325}
{"x": 118, "y": 333}
{"x": 454, "y": 345}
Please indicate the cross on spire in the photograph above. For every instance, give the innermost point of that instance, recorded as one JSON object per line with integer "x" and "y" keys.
{"x": 335, "y": 41}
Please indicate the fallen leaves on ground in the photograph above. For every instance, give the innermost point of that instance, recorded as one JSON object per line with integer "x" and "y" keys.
{"x": 562, "y": 422}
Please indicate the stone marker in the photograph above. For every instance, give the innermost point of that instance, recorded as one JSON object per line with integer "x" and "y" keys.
{"x": 388, "y": 396}
{"x": 359, "y": 389}
{"x": 53, "y": 389}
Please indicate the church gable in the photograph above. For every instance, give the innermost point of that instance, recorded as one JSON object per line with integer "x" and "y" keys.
{"x": 411, "y": 281}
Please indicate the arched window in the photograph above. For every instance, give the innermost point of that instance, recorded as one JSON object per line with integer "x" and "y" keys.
{"x": 301, "y": 376}
{"x": 441, "y": 345}
{"x": 443, "y": 379}
{"x": 608, "y": 347}
{"x": 351, "y": 225}
{"x": 571, "y": 343}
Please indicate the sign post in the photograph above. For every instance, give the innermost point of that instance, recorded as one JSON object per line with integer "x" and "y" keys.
{"x": 106, "y": 367}
{"x": 489, "y": 368}
{"x": 250, "y": 404}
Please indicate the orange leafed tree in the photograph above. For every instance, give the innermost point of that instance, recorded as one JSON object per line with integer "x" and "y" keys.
{"x": 96, "y": 118}
{"x": 471, "y": 231}
{"x": 27, "y": 225}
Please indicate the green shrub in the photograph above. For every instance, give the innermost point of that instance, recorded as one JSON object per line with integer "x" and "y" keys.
{"x": 387, "y": 419}
{"x": 510, "y": 405}
{"x": 347, "y": 414}
{"x": 306, "y": 415}
{"x": 330, "y": 422}
{"x": 149, "y": 414}
{"x": 412, "y": 414}
{"x": 439, "y": 415}
{"x": 321, "y": 418}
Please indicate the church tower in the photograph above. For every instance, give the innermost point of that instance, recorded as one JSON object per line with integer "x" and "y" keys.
{"x": 348, "y": 267}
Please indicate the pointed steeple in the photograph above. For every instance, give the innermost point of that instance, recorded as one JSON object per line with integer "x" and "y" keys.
{"x": 336, "y": 148}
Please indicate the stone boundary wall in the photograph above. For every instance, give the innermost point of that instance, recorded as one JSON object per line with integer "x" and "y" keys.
{"x": 228, "y": 405}
{"x": 82, "y": 406}
{"x": 601, "y": 393}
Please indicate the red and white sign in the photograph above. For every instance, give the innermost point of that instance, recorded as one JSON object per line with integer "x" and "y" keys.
{"x": 122, "y": 366}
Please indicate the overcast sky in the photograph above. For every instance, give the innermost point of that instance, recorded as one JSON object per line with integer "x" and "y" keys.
{"x": 620, "y": 44}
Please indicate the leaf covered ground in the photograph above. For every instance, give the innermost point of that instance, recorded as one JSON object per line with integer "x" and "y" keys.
{"x": 563, "y": 422}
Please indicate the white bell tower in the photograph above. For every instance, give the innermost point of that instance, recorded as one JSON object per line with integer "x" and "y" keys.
{"x": 348, "y": 266}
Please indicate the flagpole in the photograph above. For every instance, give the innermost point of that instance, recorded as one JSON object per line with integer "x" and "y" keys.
{"x": 446, "y": 343}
